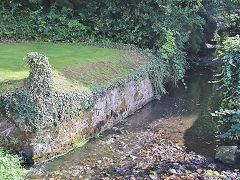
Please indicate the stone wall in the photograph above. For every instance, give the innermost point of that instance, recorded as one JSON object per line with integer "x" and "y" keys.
{"x": 113, "y": 107}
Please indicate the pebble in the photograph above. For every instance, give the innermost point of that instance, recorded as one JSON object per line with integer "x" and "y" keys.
{"x": 182, "y": 168}
{"x": 212, "y": 166}
{"x": 175, "y": 164}
{"x": 153, "y": 159}
{"x": 172, "y": 177}
{"x": 172, "y": 171}
{"x": 133, "y": 157}
{"x": 75, "y": 173}
{"x": 152, "y": 176}
{"x": 216, "y": 173}
{"x": 110, "y": 141}
{"x": 223, "y": 176}
{"x": 199, "y": 171}
{"x": 191, "y": 176}
{"x": 209, "y": 172}
{"x": 132, "y": 178}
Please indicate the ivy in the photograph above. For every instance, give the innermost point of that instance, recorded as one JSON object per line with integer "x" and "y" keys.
{"x": 10, "y": 166}
{"x": 229, "y": 112}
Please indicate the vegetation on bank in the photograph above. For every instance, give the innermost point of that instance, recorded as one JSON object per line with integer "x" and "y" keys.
{"x": 10, "y": 167}
{"x": 229, "y": 111}
{"x": 171, "y": 29}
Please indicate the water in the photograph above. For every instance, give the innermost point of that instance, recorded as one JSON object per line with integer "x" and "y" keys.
{"x": 182, "y": 116}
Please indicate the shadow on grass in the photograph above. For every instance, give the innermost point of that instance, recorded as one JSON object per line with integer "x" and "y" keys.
{"x": 10, "y": 85}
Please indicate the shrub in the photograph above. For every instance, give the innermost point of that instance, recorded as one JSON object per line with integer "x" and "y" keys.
{"x": 229, "y": 112}
{"x": 10, "y": 168}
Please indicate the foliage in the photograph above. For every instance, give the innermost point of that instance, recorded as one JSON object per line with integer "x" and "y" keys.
{"x": 170, "y": 28}
{"x": 164, "y": 26}
{"x": 158, "y": 72}
{"x": 17, "y": 24}
{"x": 38, "y": 104}
{"x": 132, "y": 22}
{"x": 199, "y": 38}
{"x": 227, "y": 14}
{"x": 10, "y": 168}
{"x": 229, "y": 112}
{"x": 175, "y": 58}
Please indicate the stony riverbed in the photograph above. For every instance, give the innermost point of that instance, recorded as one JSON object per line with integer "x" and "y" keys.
{"x": 139, "y": 155}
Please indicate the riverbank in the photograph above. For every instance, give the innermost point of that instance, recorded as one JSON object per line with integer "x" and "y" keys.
{"x": 167, "y": 139}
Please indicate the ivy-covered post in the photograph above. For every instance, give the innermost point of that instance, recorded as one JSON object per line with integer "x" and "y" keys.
{"x": 39, "y": 85}
{"x": 40, "y": 79}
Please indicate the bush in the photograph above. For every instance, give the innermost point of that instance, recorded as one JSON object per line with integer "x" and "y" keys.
{"x": 170, "y": 28}
{"x": 10, "y": 168}
{"x": 145, "y": 24}
{"x": 229, "y": 112}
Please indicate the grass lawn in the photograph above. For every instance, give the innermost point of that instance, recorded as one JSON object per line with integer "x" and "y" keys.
{"x": 75, "y": 66}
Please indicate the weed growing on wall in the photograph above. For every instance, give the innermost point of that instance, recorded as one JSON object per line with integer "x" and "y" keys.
{"x": 158, "y": 71}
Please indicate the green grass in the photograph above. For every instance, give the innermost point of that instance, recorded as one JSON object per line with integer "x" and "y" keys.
{"x": 75, "y": 66}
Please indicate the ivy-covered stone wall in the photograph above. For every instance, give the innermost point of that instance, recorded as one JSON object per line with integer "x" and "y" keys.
{"x": 113, "y": 107}
{"x": 38, "y": 121}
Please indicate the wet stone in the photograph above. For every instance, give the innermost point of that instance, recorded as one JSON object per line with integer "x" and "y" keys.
{"x": 227, "y": 154}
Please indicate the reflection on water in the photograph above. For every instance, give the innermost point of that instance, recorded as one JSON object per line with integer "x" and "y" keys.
{"x": 182, "y": 115}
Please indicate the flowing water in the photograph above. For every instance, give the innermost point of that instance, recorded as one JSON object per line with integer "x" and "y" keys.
{"x": 183, "y": 116}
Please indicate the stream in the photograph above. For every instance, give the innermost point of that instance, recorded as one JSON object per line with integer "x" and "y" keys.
{"x": 181, "y": 117}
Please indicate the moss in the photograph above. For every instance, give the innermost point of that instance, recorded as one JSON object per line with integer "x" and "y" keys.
{"x": 85, "y": 131}
{"x": 108, "y": 116}
{"x": 36, "y": 157}
{"x": 136, "y": 96}
{"x": 123, "y": 103}
{"x": 79, "y": 141}
{"x": 76, "y": 138}
{"x": 88, "y": 115}
{"x": 123, "y": 106}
